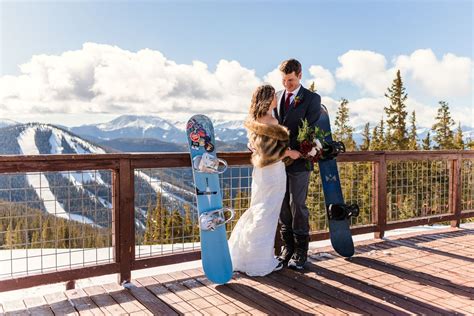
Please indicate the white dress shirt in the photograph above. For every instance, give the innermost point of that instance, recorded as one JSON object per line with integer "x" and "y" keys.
{"x": 295, "y": 93}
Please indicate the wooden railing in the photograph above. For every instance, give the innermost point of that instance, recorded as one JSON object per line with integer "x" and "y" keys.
{"x": 122, "y": 167}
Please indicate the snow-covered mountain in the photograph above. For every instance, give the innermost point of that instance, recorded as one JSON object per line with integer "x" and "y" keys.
{"x": 132, "y": 126}
{"x": 136, "y": 126}
{"x": 7, "y": 122}
{"x": 83, "y": 196}
{"x": 231, "y": 133}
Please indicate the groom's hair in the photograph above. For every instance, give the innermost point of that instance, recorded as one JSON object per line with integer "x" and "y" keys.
{"x": 290, "y": 65}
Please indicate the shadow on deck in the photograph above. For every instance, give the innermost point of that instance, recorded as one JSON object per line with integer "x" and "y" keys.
{"x": 430, "y": 273}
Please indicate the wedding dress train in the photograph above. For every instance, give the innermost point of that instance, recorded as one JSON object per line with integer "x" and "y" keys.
{"x": 252, "y": 241}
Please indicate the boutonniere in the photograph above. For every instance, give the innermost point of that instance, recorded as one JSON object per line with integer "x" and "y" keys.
{"x": 298, "y": 100}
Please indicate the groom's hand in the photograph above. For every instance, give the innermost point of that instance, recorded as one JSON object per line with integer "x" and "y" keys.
{"x": 294, "y": 154}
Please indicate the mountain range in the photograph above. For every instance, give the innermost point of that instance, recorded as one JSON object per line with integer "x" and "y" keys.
{"x": 232, "y": 132}
{"x": 82, "y": 196}
{"x": 138, "y": 133}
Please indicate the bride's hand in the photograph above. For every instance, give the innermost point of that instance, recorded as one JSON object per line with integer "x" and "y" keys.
{"x": 293, "y": 154}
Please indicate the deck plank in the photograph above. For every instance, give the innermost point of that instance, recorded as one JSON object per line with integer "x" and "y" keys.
{"x": 60, "y": 304}
{"x": 82, "y": 302}
{"x": 430, "y": 273}
{"x": 38, "y": 306}
{"x": 168, "y": 297}
{"x": 148, "y": 299}
{"x": 197, "y": 302}
{"x": 125, "y": 299}
{"x": 220, "y": 290}
{"x": 104, "y": 301}
{"x": 209, "y": 295}
{"x": 15, "y": 307}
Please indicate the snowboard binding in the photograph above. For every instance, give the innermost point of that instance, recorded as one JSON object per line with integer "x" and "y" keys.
{"x": 342, "y": 211}
{"x": 208, "y": 163}
{"x": 213, "y": 219}
{"x": 332, "y": 149}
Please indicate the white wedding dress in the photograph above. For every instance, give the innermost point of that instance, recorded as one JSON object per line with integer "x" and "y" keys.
{"x": 252, "y": 241}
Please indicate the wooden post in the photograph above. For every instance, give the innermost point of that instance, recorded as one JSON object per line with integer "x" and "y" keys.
{"x": 70, "y": 285}
{"x": 123, "y": 219}
{"x": 455, "y": 190}
{"x": 380, "y": 214}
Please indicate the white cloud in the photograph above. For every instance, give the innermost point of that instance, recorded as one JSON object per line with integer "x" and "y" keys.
{"x": 322, "y": 78}
{"x": 108, "y": 79}
{"x": 331, "y": 105}
{"x": 367, "y": 70}
{"x": 365, "y": 110}
{"x": 274, "y": 78}
{"x": 449, "y": 77}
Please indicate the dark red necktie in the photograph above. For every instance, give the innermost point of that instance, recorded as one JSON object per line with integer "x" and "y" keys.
{"x": 287, "y": 101}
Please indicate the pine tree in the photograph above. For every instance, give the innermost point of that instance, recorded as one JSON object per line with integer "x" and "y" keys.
{"x": 378, "y": 137}
{"x": 375, "y": 138}
{"x": 458, "y": 141}
{"x": 343, "y": 131}
{"x": 18, "y": 236}
{"x": 35, "y": 239}
{"x": 444, "y": 137}
{"x": 190, "y": 231}
{"x": 365, "y": 138}
{"x": 10, "y": 237}
{"x": 312, "y": 88}
{"x": 149, "y": 226}
{"x": 470, "y": 144}
{"x": 61, "y": 234}
{"x": 46, "y": 234}
{"x": 396, "y": 115}
{"x": 176, "y": 227}
{"x": 412, "y": 139}
{"x": 426, "y": 144}
{"x": 3, "y": 235}
{"x": 160, "y": 220}
{"x": 99, "y": 239}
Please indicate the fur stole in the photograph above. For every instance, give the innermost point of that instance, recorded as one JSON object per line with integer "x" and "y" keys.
{"x": 268, "y": 142}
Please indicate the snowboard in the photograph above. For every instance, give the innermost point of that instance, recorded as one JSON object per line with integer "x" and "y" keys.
{"x": 338, "y": 213}
{"x": 215, "y": 256}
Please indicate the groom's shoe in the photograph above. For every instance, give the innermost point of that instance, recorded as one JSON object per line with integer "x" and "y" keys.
{"x": 288, "y": 246}
{"x": 300, "y": 256}
{"x": 285, "y": 254}
{"x": 298, "y": 260}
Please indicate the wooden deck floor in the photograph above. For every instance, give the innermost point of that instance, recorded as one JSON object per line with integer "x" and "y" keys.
{"x": 429, "y": 274}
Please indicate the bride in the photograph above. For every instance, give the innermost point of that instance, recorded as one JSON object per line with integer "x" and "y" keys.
{"x": 252, "y": 241}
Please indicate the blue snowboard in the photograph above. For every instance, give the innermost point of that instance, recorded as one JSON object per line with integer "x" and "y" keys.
{"x": 215, "y": 255}
{"x": 339, "y": 231}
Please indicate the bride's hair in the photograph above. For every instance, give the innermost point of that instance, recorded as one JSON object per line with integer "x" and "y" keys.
{"x": 261, "y": 100}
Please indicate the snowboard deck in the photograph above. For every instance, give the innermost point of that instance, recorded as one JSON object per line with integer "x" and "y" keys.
{"x": 215, "y": 256}
{"x": 339, "y": 230}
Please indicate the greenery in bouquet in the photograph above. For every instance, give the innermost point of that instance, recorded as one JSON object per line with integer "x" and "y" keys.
{"x": 311, "y": 141}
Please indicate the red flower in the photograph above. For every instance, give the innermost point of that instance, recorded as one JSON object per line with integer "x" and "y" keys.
{"x": 305, "y": 147}
{"x": 298, "y": 100}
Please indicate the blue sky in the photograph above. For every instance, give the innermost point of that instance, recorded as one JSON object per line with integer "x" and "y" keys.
{"x": 256, "y": 35}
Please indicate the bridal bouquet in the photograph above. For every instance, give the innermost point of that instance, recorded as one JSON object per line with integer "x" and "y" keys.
{"x": 311, "y": 141}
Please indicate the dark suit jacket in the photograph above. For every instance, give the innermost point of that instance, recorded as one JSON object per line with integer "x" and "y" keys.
{"x": 309, "y": 107}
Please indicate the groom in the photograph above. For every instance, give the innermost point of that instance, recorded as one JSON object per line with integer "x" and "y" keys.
{"x": 295, "y": 104}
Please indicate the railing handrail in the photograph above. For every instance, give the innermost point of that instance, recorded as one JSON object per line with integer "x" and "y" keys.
{"x": 181, "y": 159}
